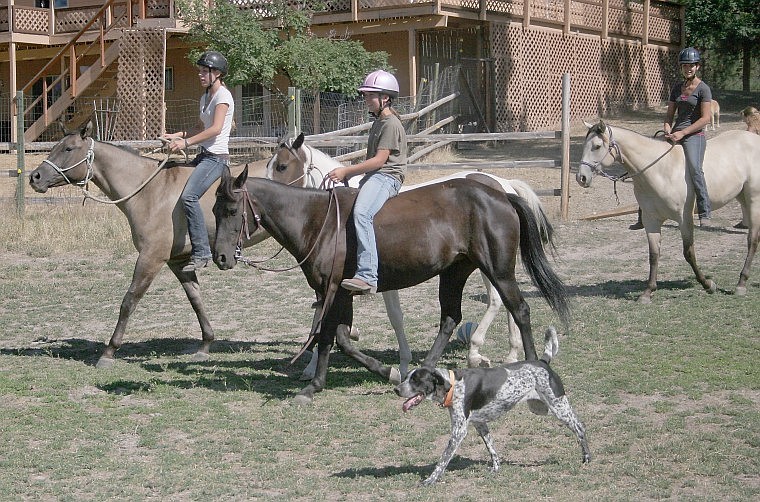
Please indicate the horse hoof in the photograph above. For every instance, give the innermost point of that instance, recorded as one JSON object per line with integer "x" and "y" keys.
{"x": 395, "y": 376}
{"x": 740, "y": 290}
{"x": 711, "y": 287}
{"x": 301, "y": 400}
{"x": 354, "y": 335}
{"x": 306, "y": 377}
{"x": 645, "y": 300}
{"x": 200, "y": 357}
{"x": 105, "y": 363}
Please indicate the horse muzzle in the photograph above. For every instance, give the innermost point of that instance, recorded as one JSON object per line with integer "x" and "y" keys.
{"x": 585, "y": 174}
{"x": 224, "y": 261}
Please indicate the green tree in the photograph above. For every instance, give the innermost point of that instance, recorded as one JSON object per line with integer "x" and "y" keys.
{"x": 275, "y": 40}
{"x": 728, "y": 28}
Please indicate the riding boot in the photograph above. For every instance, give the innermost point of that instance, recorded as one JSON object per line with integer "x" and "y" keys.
{"x": 638, "y": 225}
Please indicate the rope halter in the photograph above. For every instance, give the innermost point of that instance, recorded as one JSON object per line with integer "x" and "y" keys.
{"x": 89, "y": 158}
{"x": 614, "y": 149}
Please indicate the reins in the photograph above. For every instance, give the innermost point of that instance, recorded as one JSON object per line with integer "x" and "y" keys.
{"x": 597, "y": 168}
{"x": 245, "y": 232}
{"x": 89, "y": 159}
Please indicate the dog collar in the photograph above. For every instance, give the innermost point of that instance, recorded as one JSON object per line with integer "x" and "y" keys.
{"x": 450, "y": 393}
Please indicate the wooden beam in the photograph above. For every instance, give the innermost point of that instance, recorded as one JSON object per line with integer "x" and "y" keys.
{"x": 620, "y": 211}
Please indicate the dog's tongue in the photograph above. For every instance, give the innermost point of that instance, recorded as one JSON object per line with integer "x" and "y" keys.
{"x": 412, "y": 402}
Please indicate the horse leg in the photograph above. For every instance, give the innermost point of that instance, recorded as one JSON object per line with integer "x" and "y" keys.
{"x": 474, "y": 357}
{"x": 687, "y": 235}
{"x": 653, "y": 240}
{"x": 145, "y": 271}
{"x": 753, "y": 237}
{"x": 450, "y": 287}
{"x": 396, "y": 317}
{"x": 344, "y": 342}
{"x": 317, "y": 383}
{"x": 189, "y": 281}
{"x": 520, "y": 316}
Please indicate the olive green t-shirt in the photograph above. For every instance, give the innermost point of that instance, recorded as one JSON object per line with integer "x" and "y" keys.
{"x": 387, "y": 133}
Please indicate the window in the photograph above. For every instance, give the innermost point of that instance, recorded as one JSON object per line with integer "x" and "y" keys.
{"x": 59, "y": 4}
{"x": 169, "y": 79}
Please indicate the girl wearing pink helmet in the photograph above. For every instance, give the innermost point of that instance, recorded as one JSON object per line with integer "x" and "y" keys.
{"x": 383, "y": 170}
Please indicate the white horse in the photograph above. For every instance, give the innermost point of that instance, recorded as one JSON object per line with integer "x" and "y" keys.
{"x": 664, "y": 190}
{"x": 301, "y": 165}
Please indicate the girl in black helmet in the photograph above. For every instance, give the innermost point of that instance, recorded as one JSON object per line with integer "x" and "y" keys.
{"x": 212, "y": 134}
{"x": 691, "y": 99}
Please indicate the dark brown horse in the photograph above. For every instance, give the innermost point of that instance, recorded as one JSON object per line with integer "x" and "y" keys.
{"x": 447, "y": 229}
{"x": 155, "y": 214}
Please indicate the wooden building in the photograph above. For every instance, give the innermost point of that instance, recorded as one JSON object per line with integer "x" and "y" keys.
{"x": 619, "y": 53}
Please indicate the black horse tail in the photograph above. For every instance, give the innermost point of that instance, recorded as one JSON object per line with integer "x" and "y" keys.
{"x": 535, "y": 261}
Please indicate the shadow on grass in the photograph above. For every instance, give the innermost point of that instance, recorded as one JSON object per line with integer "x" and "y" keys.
{"x": 262, "y": 367}
{"x": 458, "y": 463}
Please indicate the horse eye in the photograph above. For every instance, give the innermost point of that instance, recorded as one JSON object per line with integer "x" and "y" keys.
{"x": 281, "y": 167}
{"x": 596, "y": 147}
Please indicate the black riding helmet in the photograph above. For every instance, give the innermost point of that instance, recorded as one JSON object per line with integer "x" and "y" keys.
{"x": 689, "y": 55}
{"x": 213, "y": 60}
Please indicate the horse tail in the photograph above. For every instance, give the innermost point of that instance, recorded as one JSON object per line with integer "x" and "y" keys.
{"x": 545, "y": 229}
{"x": 535, "y": 261}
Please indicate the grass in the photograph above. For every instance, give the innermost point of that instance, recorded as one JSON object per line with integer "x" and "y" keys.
{"x": 668, "y": 391}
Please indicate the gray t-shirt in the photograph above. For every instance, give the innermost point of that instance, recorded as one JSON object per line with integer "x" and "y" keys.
{"x": 689, "y": 108}
{"x": 387, "y": 133}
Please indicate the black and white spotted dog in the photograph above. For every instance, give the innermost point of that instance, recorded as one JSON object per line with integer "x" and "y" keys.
{"x": 480, "y": 395}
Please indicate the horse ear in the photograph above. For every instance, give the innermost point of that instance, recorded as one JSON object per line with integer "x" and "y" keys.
{"x": 588, "y": 124}
{"x": 241, "y": 179}
{"x": 86, "y": 131}
{"x": 601, "y": 126}
{"x": 298, "y": 142}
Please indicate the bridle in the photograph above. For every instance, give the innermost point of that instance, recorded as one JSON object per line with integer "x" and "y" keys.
{"x": 245, "y": 234}
{"x": 613, "y": 149}
{"x": 89, "y": 158}
{"x": 309, "y": 167}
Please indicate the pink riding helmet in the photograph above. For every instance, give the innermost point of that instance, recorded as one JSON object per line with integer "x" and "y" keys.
{"x": 380, "y": 81}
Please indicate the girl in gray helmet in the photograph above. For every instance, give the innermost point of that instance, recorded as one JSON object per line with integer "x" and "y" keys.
{"x": 212, "y": 134}
{"x": 689, "y": 104}
{"x": 383, "y": 171}
{"x": 691, "y": 100}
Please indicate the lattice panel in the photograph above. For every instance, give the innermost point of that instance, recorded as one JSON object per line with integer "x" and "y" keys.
{"x": 31, "y": 20}
{"x": 71, "y": 21}
{"x": 140, "y": 84}
{"x": 590, "y": 14}
{"x": 156, "y": 8}
{"x": 605, "y": 76}
{"x": 664, "y": 23}
{"x": 514, "y": 7}
{"x": 626, "y": 22}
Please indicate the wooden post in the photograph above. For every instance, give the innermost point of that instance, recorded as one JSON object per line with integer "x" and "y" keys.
{"x": 565, "y": 182}
{"x": 20, "y": 149}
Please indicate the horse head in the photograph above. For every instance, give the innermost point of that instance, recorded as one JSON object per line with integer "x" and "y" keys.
{"x": 288, "y": 164}
{"x": 69, "y": 162}
{"x": 597, "y": 152}
{"x": 230, "y": 214}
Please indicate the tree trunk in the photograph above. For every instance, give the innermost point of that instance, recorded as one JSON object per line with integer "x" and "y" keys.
{"x": 746, "y": 66}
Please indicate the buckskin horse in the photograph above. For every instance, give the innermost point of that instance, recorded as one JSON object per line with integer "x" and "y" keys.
{"x": 664, "y": 189}
{"x": 149, "y": 196}
{"x": 446, "y": 229}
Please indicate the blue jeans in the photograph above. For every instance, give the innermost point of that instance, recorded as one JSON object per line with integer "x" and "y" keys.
{"x": 208, "y": 170}
{"x": 694, "y": 151}
{"x": 375, "y": 190}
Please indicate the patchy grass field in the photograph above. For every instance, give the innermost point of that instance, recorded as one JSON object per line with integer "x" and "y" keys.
{"x": 669, "y": 392}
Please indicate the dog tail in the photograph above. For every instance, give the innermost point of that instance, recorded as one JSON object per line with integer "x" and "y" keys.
{"x": 551, "y": 345}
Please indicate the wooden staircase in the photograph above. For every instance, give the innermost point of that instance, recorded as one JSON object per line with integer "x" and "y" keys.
{"x": 99, "y": 78}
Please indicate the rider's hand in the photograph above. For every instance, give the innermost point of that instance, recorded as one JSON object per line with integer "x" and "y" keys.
{"x": 337, "y": 175}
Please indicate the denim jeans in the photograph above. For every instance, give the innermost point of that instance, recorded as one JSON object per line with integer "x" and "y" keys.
{"x": 376, "y": 189}
{"x": 694, "y": 151}
{"x": 206, "y": 172}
